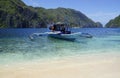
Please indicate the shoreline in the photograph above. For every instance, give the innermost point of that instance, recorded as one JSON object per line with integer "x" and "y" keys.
{"x": 86, "y": 66}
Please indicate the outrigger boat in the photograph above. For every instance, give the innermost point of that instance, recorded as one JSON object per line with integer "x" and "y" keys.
{"x": 61, "y": 31}
{"x": 63, "y": 36}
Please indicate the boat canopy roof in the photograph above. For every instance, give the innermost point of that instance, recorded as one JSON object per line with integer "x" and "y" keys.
{"x": 59, "y": 23}
{"x": 59, "y": 26}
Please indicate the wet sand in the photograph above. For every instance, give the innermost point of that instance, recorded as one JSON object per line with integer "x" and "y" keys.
{"x": 86, "y": 66}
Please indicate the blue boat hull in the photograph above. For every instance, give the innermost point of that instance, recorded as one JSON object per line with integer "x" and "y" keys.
{"x": 63, "y": 37}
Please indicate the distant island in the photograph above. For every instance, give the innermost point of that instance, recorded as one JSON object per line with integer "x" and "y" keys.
{"x": 114, "y": 23}
{"x": 16, "y": 14}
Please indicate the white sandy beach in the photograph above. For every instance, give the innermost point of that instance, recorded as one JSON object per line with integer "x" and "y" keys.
{"x": 86, "y": 66}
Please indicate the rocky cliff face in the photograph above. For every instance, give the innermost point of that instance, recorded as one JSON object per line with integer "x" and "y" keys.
{"x": 114, "y": 23}
{"x": 99, "y": 25}
{"x": 16, "y": 14}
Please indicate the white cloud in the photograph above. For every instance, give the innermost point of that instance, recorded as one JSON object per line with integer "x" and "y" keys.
{"x": 35, "y": 4}
{"x": 32, "y": 2}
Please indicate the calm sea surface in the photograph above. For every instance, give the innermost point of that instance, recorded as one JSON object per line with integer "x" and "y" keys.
{"x": 15, "y": 45}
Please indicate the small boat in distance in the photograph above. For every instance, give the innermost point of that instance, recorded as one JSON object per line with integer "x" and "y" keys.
{"x": 62, "y": 31}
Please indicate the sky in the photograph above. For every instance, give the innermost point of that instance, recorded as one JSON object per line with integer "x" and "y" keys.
{"x": 97, "y": 10}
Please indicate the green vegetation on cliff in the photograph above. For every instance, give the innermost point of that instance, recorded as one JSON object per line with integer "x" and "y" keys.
{"x": 16, "y": 14}
{"x": 114, "y": 23}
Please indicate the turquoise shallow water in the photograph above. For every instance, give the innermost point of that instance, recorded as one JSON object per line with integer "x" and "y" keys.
{"x": 15, "y": 46}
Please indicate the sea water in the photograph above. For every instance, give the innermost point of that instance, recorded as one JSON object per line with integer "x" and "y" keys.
{"x": 16, "y": 47}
